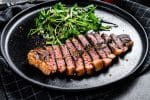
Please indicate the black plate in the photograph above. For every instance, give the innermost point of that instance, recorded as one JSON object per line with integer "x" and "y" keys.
{"x": 15, "y": 45}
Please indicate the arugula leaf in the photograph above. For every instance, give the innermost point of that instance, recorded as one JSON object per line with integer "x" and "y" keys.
{"x": 59, "y": 23}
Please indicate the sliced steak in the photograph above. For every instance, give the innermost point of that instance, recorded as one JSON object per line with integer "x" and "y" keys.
{"x": 80, "y": 71}
{"x": 81, "y": 55}
{"x": 97, "y": 62}
{"x": 105, "y": 47}
{"x": 39, "y": 58}
{"x": 126, "y": 40}
{"x": 107, "y": 61}
{"x": 59, "y": 59}
{"x": 52, "y": 61}
{"x": 87, "y": 60}
{"x": 68, "y": 59}
{"x": 118, "y": 42}
{"x": 112, "y": 45}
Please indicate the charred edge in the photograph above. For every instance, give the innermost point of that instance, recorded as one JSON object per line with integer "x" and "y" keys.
{"x": 79, "y": 70}
{"x": 106, "y": 49}
{"x": 35, "y": 60}
{"x": 63, "y": 58}
{"x": 97, "y": 61}
{"x": 60, "y": 67}
{"x": 52, "y": 61}
{"x": 87, "y": 61}
{"x": 69, "y": 71}
{"x": 126, "y": 40}
{"x": 55, "y": 58}
{"x": 118, "y": 42}
{"x": 112, "y": 45}
{"x": 100, "y": 51}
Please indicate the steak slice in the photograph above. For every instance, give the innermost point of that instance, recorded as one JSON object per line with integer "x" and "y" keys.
{"x": 112, "y": 45}
{"x": 126, "y": 40}
{"x": 39, "y": 58}
{"x": 98, "y": 45}
{"x": 59, "y": 59}
{"x": 52, "y": 61}
{"x": 97, "y": 62}
{"x": 80, "y": 71}
{"x": 118, "y": 42}
{"x": 106, "y": 49}
{"x": 86, "y": 58}
{"x": 68, "y": 59}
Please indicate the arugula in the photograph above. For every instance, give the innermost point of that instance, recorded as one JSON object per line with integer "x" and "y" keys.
{"x": 59, "y": 23}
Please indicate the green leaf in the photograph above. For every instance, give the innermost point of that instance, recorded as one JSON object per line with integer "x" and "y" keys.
{"x": 59, "y": 23}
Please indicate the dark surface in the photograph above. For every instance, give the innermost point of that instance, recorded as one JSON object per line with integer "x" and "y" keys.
{"x": 2, "y": 94}
{"x": 138, "y": 89}
{"x": 14, "y": 40}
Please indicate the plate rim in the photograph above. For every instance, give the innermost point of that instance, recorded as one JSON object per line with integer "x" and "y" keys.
{"x": 12, "y": 66}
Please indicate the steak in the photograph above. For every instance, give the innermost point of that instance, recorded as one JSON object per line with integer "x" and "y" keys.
{"x": 68, "y": 59}
{"x": 86, "y": 58}
{"x": 52, "y": 60}
{"x": 82, "y": 55}
{"x": 106, "y": 48}
{"x": 97, "y": 62}
{"x": 79, "y": 70}
{"x": 118, "y": 42}
{"x": 99, "y": 45}
{"x": 61, "y": 67}
{"x": 39, "y": 58}
{"x": 114, "y": 48}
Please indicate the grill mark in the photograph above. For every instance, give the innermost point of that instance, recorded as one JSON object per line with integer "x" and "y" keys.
{"x": 114, "y": 48}
{"x": 118, "y": 42}
{"x": 87, "y": 60}
{"x": 80, "y": 71}
{"x": 59, "y": 59}
{"x": 106, "y": 48}
{"x": 68, "y": 59}
{"x": 97, "y": 62}
{"x": 126, "y": 40}
{"x": 52, "y": 60}
{"x": 35, "y": 60}
{"x": 99, "y": 48}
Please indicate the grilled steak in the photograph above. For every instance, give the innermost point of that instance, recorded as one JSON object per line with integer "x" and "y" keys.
{"x": 99, "y": 45}
{"x": 126, "y": 40}
{"x": 105, "y": 46}
{"x": 117, "y": 51}
{"x": 59, "y": 59}
{"x": 52, "y": 61}
{"x": 68, "y": 59}
{"x": 97, "y": 62}
{"x": 77, "y": 59}
{"x": 118, "y": 42}
{"x": 86, "y": 58}
{"x": 81, "y": 55}
{"x": 40, "y": 59}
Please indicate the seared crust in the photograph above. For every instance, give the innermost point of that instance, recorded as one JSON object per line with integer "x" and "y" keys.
{"x": 97, "y": 62}
{"x": 118, "y": 42}
{"x": 106, "y": 49}
{"x": 68, "y": 59}
{"x": 78, "y": 56}
{"x": 80, "y": 71}
{"x": 112, "y": 45}
{"x": 126, "y": 40}
{"x": 61, "y": 66}
{"x": 87, "y": 60}
{"x": 35, "y": 60}
{"x": 99, "y": 48}
{"x": 52, "y": 60}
